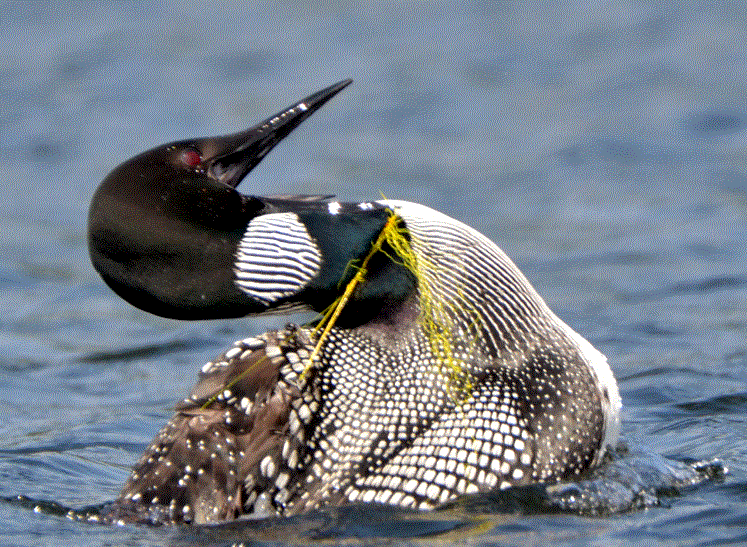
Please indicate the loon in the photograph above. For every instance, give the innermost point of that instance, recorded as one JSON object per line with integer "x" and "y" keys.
{"x": 441, "y": 373}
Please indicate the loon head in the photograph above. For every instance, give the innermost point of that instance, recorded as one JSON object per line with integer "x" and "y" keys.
{"x": 169, "y": 232}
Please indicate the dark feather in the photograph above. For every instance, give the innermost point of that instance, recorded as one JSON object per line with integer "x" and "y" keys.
{"x": 236, "y": 416}
{"x": 308, "y": 198}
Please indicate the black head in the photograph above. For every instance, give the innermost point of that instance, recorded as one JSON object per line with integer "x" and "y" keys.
{"x": 169, "y": 232}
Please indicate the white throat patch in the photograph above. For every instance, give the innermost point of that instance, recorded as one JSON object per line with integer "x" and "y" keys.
{"x": 276, "y": 258}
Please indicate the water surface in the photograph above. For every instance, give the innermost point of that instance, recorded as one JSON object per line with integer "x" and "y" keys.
{"x": 602, "y": 145}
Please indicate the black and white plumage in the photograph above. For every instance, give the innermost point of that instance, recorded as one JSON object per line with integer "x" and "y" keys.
{"x": 276, "y": 258}
{"x": 374, "y": 418}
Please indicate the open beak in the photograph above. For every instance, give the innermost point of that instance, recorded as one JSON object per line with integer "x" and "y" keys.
{"x": 231, "y": 157}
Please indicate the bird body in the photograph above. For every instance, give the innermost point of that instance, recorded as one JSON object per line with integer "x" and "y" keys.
{"x": 435, "y": 371}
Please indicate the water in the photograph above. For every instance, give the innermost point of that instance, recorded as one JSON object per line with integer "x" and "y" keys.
{"x": 603, "y": 145}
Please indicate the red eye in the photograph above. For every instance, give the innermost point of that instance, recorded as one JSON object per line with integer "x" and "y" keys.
{"x": 190, "y": 157}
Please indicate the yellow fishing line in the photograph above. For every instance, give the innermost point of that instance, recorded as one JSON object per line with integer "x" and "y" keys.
{"x": 436, "y": 317}
{"x": 244, "y": 373}
{"x": 230, "y": 384}
{"x": 333, "y": 312}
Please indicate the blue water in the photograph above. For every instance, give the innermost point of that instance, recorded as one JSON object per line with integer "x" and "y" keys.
{"x": 602, "y": 145}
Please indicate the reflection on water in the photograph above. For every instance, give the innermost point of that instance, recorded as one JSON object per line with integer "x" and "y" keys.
{"x": 627, "y": 482}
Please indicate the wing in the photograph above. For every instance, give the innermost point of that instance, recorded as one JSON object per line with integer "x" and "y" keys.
{"x": 223, "y": 445}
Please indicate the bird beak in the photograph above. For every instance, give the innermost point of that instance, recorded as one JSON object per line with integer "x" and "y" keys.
{"x": 228, "y": 159}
